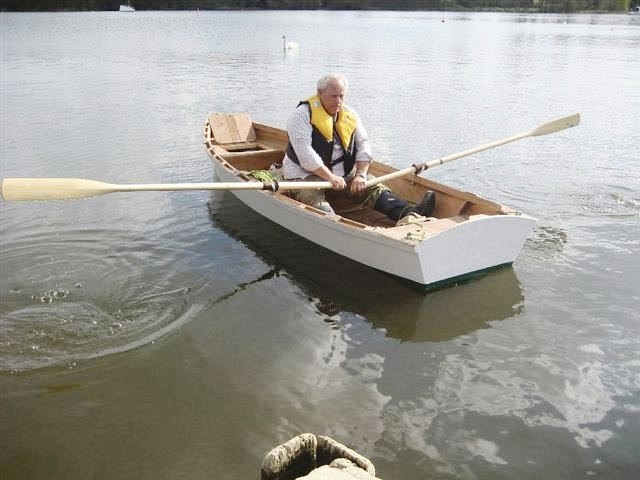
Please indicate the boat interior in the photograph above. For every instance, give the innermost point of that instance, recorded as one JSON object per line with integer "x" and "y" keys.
{"x": 242, "y": 146}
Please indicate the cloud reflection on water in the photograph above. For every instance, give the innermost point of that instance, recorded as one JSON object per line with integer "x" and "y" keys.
{"x": 394, "y": 399}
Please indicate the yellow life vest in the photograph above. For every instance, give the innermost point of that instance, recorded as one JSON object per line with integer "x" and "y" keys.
{"x": 345, "y": 124}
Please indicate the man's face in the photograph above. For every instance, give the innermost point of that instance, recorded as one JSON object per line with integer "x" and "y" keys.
{"x": 332, "y": 98}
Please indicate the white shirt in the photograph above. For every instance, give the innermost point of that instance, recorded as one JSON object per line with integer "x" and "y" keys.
{"x": 299, "y": 129}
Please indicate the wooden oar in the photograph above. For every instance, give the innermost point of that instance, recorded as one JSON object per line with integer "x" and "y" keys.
{"x": 71, "y": 188}
{"x": 544, "y": 129}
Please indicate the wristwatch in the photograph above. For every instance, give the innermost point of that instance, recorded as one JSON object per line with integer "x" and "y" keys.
{"x": 363, "y": 175}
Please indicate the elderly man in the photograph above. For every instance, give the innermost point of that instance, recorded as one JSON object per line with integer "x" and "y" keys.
{"x": 327, "y": 142}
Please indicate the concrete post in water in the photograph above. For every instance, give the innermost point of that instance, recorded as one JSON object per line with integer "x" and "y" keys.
{"x": 316, "y": 458}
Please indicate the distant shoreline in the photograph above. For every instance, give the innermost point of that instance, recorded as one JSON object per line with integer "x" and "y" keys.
{"x": 451, "y": 6}
{"x": 230, "y": 9}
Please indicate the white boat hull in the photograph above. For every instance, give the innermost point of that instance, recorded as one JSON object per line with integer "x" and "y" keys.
{"x": 481, "y": 243}
{"x": 466, "y": 234}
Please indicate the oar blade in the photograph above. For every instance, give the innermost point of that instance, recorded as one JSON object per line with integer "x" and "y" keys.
{"x": 15, "y": 189}
{"x": 556, "y": 125}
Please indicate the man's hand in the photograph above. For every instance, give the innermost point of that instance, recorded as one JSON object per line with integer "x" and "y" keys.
{"x": 358, "y": 184}
{"x": 337, "y": 182}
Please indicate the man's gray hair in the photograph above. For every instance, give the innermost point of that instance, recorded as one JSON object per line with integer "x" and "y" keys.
{"x": 330, "y": 79}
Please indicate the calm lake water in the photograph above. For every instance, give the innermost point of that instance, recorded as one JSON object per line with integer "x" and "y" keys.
{"x": 180, "y": 335}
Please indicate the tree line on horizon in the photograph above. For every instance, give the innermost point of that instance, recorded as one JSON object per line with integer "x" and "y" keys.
{"x": 543, "y": 6}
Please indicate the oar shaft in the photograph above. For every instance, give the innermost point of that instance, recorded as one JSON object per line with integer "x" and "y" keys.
{"x": 15, "y": 189}
{"x": 442, "y": 160}
{"x": 471, "y": 151}
{"x": 544, "y": 129}
{"x": 167, "y": 187}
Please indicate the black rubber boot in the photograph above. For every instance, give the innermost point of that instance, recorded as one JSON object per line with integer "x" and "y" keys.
{"x": 391, "y": 206}
{"x": 395, "y": 208}
{"x": 426, "y": 205}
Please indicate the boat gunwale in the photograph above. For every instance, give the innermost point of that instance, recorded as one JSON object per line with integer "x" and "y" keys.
{"x": 219, "y": 152}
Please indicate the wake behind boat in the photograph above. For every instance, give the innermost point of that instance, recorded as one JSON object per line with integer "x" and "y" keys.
{"x": 466, "y": 235}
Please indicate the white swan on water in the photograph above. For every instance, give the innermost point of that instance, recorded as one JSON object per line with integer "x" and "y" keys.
{"x": 288, "y": 45}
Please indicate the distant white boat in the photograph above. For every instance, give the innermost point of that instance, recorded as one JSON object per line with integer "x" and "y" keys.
{"x": 127, "y": 8}
{"x": 635, "y": 11}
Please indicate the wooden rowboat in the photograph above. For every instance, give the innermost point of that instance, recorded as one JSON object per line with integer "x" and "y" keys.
{"x": 466, "y": 235}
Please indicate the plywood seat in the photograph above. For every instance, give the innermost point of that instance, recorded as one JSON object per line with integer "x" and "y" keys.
{"x": 232, "y": 136}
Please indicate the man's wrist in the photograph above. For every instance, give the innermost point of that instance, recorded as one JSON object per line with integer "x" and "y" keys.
{"x": 361, "y": 174}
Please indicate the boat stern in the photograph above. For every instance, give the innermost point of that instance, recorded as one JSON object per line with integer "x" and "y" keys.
{"x": 482, "y": 243}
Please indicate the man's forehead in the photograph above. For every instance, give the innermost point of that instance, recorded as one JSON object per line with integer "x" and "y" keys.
{"x": 335, "y": 88}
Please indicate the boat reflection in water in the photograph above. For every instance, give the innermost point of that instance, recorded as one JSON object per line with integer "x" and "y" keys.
{"x": 336, "y": 284}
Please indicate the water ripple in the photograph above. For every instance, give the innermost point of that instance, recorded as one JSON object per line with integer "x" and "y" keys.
{"x": 76, "y": 296}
